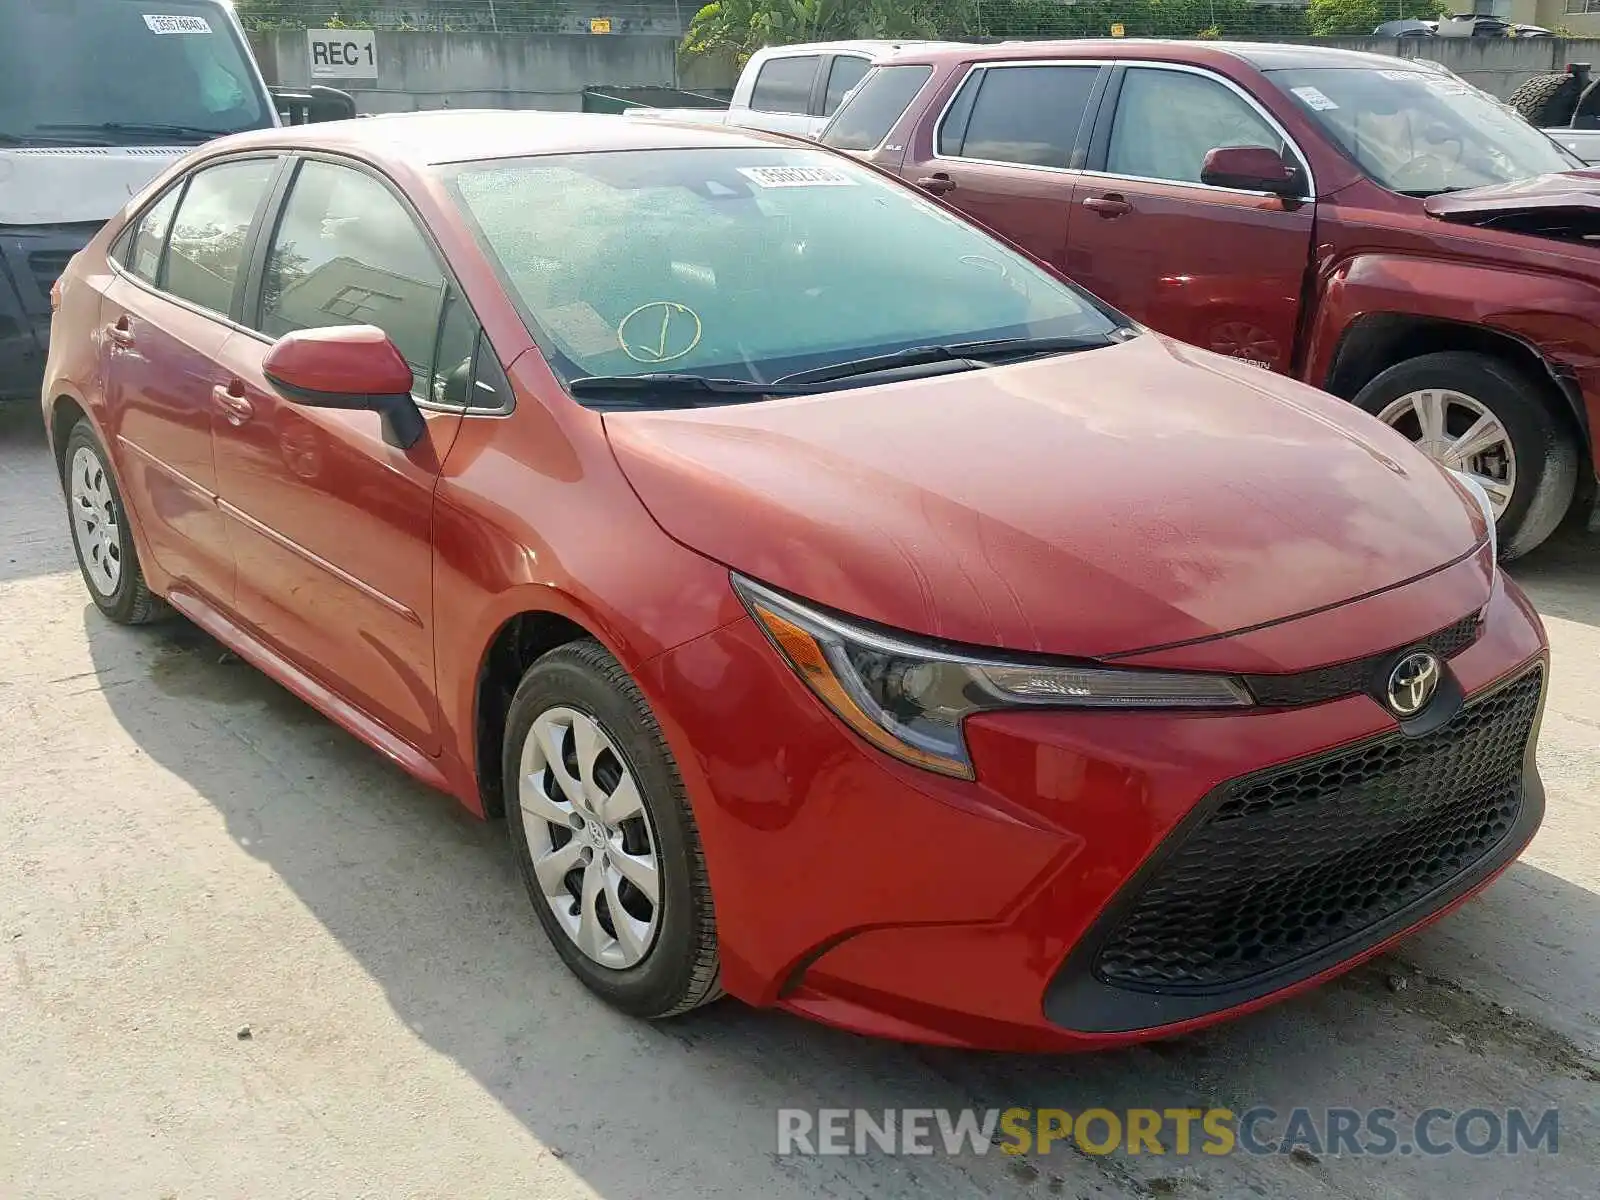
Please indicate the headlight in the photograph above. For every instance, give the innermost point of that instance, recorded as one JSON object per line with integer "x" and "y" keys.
{"x": 910, "y": 699}
{"x": 1475, "y": 490}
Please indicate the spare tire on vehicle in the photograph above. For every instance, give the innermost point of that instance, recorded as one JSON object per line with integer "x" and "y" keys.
{"x": 1546, "y": 100}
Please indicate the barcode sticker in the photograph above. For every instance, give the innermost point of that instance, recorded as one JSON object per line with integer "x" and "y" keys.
{"x": 1314, "y": 98}
{"x": 157, "y": 24}
{"x": 782, "y": 177}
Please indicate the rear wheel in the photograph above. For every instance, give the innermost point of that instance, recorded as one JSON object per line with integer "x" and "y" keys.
{"x": 107, "y": 556}
{"x": 604, "y": 837}
{"x": 1482, "y": 416}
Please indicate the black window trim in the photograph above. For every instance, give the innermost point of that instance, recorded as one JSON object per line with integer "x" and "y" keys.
{"x": 1100, "y": 148}
{"x": 122, "y": 271}
{"x": 251, "y": 306}
{"x": 812, "y": 102}
{"x": 977, "y": 76}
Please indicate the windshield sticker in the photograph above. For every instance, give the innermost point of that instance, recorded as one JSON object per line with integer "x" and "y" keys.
{"x": 579, "y": 328}
{"x": 1314, "y": 98}
{"x": 177, "y": 24}
{"x": 784, "y": 177}
{"x": 1400, "y": 75}
{"x": 1448, "y": 87}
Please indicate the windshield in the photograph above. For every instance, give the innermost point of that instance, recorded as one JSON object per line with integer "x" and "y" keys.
{"x": 1421, "y": 132}
{"x": 747, "y": 263}
{"x": 123, "y": 72}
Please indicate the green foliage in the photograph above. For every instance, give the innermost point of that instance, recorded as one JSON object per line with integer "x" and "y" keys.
{"x": 1333, "y": 18}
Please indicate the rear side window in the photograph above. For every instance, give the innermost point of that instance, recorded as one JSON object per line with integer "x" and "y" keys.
{"x": 346, "y": 252}
{"x": 784, "y": 85}
{"x": 142, "y": 255}
{"x": 206, "y": 253}
{"x": 877, "y": 105}
{"x": 847, "y": 72}
{"x": 1024, "y": 115}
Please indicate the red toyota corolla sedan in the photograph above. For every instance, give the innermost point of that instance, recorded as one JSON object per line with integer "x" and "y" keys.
{"x": 846, "y": 612}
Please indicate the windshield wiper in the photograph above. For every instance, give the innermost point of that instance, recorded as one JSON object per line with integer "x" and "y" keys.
{"x": 973, "y": 354}
{"x": 23, "y": 139}
{"x": 670, "y": 389}
{"x": 145, "y": 129}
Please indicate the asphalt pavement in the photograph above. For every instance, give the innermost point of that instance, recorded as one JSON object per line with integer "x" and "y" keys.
{"x": 242, "y": 956}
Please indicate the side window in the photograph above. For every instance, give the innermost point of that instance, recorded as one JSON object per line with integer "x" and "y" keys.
{"x": 1167, "y": 121}
{"x": 1026, "y": 115}
{"x": 953, "y": 128}
{"x": 346, "y": 252}
{"x": 141, "y": 249}
{"x": 876, "y": 106}
{"x": 206, "y": 252}
{"x": 453, "y": 361}
{"x": 846, "y": 73}
{"x": 784, "y": 85}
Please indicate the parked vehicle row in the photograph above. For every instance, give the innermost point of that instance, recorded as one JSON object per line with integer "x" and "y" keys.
{"x": 846, "y": 611}
{"x": 1370, "y": 225}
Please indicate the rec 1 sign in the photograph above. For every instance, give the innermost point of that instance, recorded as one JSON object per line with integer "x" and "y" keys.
{"x": 343, "y": 53}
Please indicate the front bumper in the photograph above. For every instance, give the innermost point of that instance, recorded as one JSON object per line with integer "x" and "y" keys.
{"x": 32, "y": 258}
{"x": 867, "y": 894}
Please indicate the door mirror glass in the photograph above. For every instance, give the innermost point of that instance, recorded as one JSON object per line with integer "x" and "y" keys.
{"x": 1251, "y": 169}
{"x": 349, "y": 367}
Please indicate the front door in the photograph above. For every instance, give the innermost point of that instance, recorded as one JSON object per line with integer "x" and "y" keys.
{"x": 163, "y": 327}
{"x": 331, "y": 523}
{"x": 1002, "y": 151}
{"x": 1218, "y": 268}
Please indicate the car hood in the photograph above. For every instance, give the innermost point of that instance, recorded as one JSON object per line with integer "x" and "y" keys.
{"x": 1575, "y": 191}
{"x": 1086, "y": 505}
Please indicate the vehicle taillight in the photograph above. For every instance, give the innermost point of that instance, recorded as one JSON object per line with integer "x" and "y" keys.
{"x": 55, "y": 296}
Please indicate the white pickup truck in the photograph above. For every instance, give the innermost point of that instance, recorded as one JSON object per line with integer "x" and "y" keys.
{"x": 789, "y": 89}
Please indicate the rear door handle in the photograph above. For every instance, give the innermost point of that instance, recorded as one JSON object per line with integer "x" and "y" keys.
{"x": 234, "y": 404}
{"x": 938, "y": 184}
{"x": 122, "y": 332}
{"x": 1111, "y": 205}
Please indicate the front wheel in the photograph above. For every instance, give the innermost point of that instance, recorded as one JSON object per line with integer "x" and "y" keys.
{"x": 604, "y": 838}
{"x": 1482, "y": 416}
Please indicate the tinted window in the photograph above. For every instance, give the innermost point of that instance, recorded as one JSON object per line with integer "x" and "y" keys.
{"x": 847, "y": 72}
{"x": 746, "y": 262}
{"x": 784, "y": 85}
{"x": 954, "y": 125}
{"x": 209, "y": 235}
{"x": 1028, "y": 114}
{"x": 346, "y": 252}
{"x": 877, "y": 104}
{"x": 68, "y": 67}
{"x": 143, "y": 253}
{"x": 1167, "y": 121}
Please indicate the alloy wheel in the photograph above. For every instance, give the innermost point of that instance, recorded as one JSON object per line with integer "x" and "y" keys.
{"x": 1461, "y": 433}
{"x": 593, "y": 849}
{"x": 94, "y": 521}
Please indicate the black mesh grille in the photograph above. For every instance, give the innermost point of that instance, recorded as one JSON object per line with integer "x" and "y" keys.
{"x": 1295, "y": 859}
{"x": 1349, "y": 678}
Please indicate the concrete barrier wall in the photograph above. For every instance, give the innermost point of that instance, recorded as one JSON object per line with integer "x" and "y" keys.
{"x": 468, "y": 70}
{"x": 1497, "y": 65}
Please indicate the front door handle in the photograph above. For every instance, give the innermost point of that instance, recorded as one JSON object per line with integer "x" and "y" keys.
{"x": 937, "y": 184}
{"x": 1110, "y": 205}
{"x": 121, "y": 333}
{"x": 233, "y": 402}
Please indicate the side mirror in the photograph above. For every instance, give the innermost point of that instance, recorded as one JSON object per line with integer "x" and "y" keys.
{"x": 353, "y": 367}
{"x": 1252, "y": 169}
{"x": 330, "y": 104}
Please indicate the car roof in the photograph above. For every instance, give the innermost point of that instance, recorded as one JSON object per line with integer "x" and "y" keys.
{"x": 424, "y": 139}
{"x": 1265, "y": 56}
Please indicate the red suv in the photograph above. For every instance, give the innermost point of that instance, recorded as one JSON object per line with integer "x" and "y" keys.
{"x": 844, "y": 610}
{"x": 1371, "y": 225}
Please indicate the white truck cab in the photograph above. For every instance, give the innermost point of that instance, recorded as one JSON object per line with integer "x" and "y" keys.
{"x": 97, "y": 97}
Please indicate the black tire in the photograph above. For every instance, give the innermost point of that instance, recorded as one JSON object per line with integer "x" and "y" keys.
{"x": 681, "y": 970}
{"x": 131, "y": 602}
{"x": 1545, "y": 448}
{"x": 1546, "y": 101}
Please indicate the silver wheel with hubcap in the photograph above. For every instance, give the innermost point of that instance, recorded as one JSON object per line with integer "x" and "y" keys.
{"x": 94, "y": 521}
{"x": 1460, "y": 433}
{"x": 593, "y": 850}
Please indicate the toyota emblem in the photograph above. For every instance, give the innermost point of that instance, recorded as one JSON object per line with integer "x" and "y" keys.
{"x": 1412, "y": 683}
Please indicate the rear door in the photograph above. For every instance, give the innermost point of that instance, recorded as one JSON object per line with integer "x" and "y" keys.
{"x": 1002, "y": 149}
{"x": 1216, "y": 267}
{"x": 781, "y": 96}
{"x": 331, "y": 524}
{"x": 166, "y": 315}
